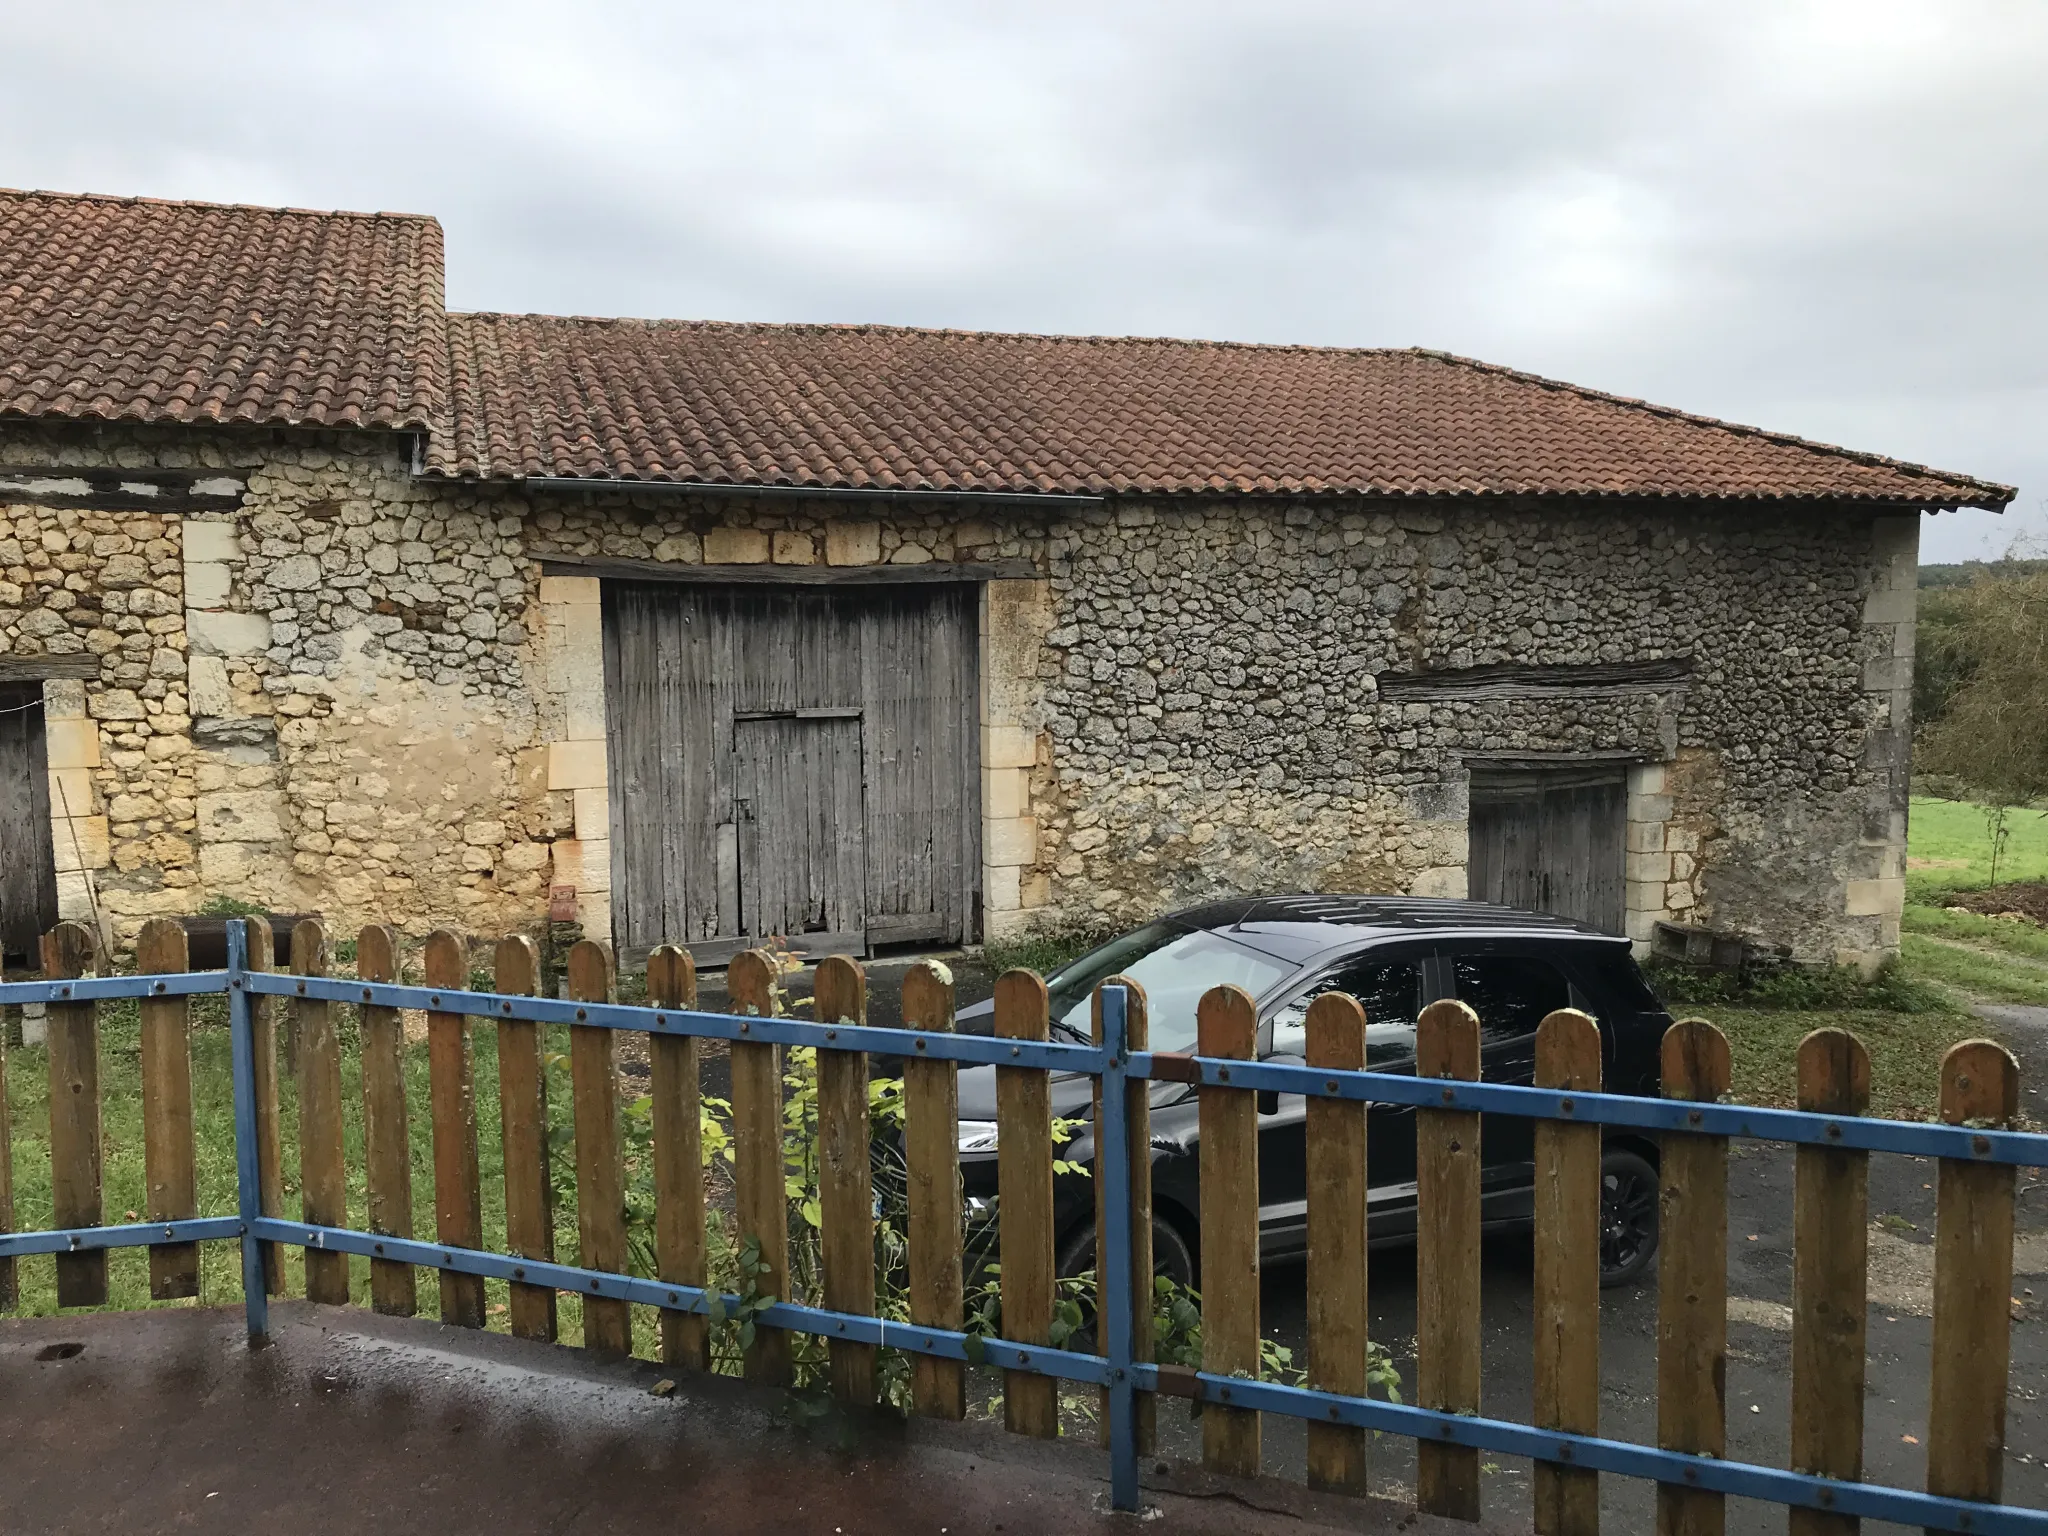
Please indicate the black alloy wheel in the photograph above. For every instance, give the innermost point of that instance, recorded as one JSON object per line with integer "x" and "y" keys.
{"x": 1628, "y": 1216}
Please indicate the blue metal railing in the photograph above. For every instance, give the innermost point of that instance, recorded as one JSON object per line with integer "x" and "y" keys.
{"x": 1114, "y": 1368}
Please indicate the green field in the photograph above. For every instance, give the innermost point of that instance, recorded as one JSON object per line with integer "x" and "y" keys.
{"x": 1951, "y": 847}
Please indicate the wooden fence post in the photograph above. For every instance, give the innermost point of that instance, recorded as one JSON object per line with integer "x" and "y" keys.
{"x": 269, "y": 1124}
{"x": 678, "y": 1152}
{"x": 600, "y": 1158}
{"x": 1335, "y": 1155}
{"x": 1830, "y": 1281}
{"x": 846, "y": 1186}
{"x": 451, "y": 1088}
{"x": 1692, "y": 1280}
{"x": 760, "y": 1195}
{"x": 1138, "y": 1159}
{"x": 1227, "y": 1024}
{"x": 1447, "y": 1174}
{"x": 1973, "y": 1242}
{"x": 323, "y": 1173}
{"x": 169, "y": 1151}
{"x": 1567, "y": 1279}
{"x": 523, "y": 1134}
{"x": 74, "y": 1047}
{"x": 1024, "y": 1156}
{"x": 387, "y": 1130}
{"x": 931, "y": 1103}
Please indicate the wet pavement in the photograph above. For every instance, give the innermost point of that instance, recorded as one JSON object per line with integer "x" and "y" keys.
{"x": 165, "y": 1421}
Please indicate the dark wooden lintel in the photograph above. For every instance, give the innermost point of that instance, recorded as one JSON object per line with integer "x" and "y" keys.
{"x": 37, "y": 669}
{"x": 788, "y": 575}
{"x": 59, "y": 485}
{"x": 1517, "y": 680}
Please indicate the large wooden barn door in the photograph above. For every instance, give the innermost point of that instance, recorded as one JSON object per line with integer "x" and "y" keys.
{"x": 1551, "y": 839}
{"x": 28, "y": 867}
{"x": 792, "y": 763}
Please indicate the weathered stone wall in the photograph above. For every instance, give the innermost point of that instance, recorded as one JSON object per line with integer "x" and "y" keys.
{"x": 106, "y": 585}
{"x": 318, "y": 701}
{"x": 1237, "y": 651}
{"x": 358, "y": 693}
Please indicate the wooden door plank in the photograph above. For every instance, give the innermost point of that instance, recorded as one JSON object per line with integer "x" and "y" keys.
{"x": 1692, "y": 1280}
{"x": 387, "y": 1124}
{"x": 1830, "y": 1279}
{"x": 1024, "y": 1209}
{"x": 323, "y": 1172}
{"x": 1973, "y": 1252}
{"x": 761, "y": 1200}
{"x": 931, "y": 1098}
{"x": 1447, "y": 1317}
{"x": 451, "y": 1088}
{"x": 846, "y": 1196}
{"x": 169, "y": 1149}
{"x": 1336, "y": 1280}
{"x": 1227, "y": 1024}
{"x": 74, "y": 1062}
{"x": 600, "y": 1156}
{"x": 28, "y": 867}
{"x": 1566, "y": 1303}
{"x": 678, "y": 1152}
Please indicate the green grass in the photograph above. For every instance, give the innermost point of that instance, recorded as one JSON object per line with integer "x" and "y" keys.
{"x": 27, "y": 1071}
{"x": 1904, "y": 1016}
{"x": 1976, "y": 972}
{"x": 1905, "y": 1053}
{"x": 2028, "y": 941}
{"x": 1043, "y": 953}
{"x": 1951, "y": 847}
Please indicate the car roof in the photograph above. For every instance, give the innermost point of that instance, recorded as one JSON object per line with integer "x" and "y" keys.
{"x": 1307, "y": 924}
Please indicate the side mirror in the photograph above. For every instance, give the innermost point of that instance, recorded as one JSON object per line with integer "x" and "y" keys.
{"x": 1269, "y": 1100}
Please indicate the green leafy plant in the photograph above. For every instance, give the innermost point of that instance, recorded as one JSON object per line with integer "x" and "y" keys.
{"x": 1799, "y": 988}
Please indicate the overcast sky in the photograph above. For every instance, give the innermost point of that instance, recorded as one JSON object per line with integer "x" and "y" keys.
{"x": 1823, "y": 218}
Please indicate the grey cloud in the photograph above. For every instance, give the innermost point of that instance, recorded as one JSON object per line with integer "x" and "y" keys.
{"x": 1820, "y": 217}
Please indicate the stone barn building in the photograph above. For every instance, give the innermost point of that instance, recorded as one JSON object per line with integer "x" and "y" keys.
{"x": 317, "y": 595}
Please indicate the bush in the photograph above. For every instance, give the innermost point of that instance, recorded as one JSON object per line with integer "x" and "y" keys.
{"x": 1798, "y": 988}
{"x": 1043, "y": 952}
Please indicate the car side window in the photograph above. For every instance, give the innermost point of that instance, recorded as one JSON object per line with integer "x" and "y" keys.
{"x": 1510, "y": 993}
{"x": 1389, "y": 991}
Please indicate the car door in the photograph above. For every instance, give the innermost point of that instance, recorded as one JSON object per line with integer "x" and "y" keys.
{"x": 1390, "y": 983}
{"x": 1511, "y": 987}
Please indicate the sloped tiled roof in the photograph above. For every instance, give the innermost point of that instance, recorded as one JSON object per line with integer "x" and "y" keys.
{"x": 134, "y": 309}
{"x": 886, "y": 408}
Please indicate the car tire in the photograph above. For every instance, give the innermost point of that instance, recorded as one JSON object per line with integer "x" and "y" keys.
{"x": 1171, "y": 1254}
{"x": 1628, "y": 1216}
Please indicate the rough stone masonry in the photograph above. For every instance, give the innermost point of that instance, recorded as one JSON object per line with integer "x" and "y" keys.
{"x": 350, "y": 689}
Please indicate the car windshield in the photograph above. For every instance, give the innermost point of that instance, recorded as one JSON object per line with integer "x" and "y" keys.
{"x": 1174, "y": 966}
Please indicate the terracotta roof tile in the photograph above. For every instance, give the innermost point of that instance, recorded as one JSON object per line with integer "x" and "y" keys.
{"x": 885, "y": 408}
{"x": 131, "y": 309}
{"x": 134, "y": 309}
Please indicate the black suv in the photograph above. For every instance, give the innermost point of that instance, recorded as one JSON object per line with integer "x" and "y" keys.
{"x": 1394, "y": 954}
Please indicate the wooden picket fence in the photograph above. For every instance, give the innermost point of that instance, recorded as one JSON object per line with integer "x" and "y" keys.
{"x": 1973, "y": 1251}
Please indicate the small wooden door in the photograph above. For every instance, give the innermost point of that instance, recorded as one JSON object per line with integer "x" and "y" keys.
{"x": 28, "y": 867}
{"x": 1551, "y": 839}
{"x": 802, "y": 844}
